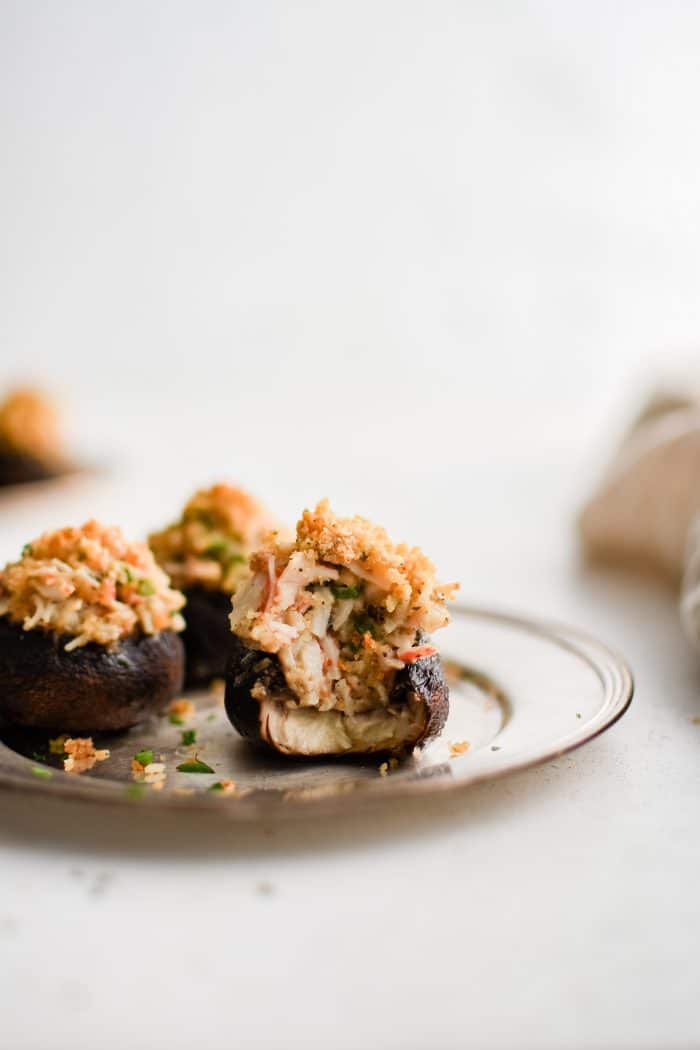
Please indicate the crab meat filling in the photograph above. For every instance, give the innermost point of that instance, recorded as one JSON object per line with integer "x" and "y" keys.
{"x": 344, "y": 610}
{"x": 209, "y": 545}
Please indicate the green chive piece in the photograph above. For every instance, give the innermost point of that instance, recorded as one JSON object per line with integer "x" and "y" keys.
{"x": 176, "y": 720}
{"x": 144, "y": 757}
{"x": 341, "y": 591}
{"x": 146, "y": 588}
{"x": 217, "y": 547}
{"x": 26, "y": 550}
{"x": 188, "y": 737}
{"x": 128, "y": 573}
{"x": 195, "y": 765}
{"x": 43, "y": 774}
{"x": 38, "y": 757}
{"x": 218, "y": 786}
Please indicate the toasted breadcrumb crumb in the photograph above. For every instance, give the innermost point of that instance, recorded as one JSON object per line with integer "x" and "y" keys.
{"x": 82, "y": 754}
{"x": 458, "y": 747}
{"x": 181, "y": 708}
{"x": 217, "y": 687}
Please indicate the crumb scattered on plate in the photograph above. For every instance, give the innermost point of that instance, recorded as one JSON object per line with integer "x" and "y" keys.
{"x": 225, "y": 787}
{"x": 179, "y": 710}
{"x": 458, "y": 747}
{"x": 82, "y": 754}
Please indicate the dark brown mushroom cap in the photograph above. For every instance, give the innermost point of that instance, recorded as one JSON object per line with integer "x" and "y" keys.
{"x": 17, "y": 468}
{"x": 90, "y": 689}
{"x": 421, "y": 683}
{"x": 207, "y": 635}
{"x": 425, "y": 680}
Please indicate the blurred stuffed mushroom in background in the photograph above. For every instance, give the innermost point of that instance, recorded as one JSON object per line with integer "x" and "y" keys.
{"x": 31, "y": 442}
{"x": 205, "y": 553}
{"x": 88, "y": 632}
{"x": 331, "y": 653}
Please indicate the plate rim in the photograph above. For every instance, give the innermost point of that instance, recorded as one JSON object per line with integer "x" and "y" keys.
{"x": 611, "y": 668}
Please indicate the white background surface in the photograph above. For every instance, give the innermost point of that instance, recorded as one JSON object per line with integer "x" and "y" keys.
{"x": 419, "y": 257}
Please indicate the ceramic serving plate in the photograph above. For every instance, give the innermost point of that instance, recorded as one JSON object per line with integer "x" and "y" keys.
{"x": 521, "y": 693}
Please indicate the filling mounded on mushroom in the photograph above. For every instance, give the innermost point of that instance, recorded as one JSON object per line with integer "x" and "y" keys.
{"x": 30, "y": 438}
{"x": 88, "y": 632}
{"x": 332, "y": 653}
{"x": 205, "y": 554}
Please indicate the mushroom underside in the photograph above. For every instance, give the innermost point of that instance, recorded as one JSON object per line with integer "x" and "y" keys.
{"x": 417, "y": 712}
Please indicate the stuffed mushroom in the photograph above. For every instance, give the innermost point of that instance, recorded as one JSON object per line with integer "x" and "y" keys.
{"x": 205, "y": 554}
{"x": 30, "y": 439}
{"x": 88, "y": 632}
{"x": 331, "y": 654}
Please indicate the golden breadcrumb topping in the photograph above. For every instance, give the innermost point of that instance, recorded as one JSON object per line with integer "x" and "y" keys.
{"x": 81, "y": 754}
{"x": 29, "y": 425}
{"x": 367, "y": 550}
{"x": 210, "y": 544}
{"x": 90, "y": 583}
{"x": 458, "y": 747}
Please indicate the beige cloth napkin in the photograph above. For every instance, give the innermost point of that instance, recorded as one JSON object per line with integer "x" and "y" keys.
{"x": 646, "y": 511}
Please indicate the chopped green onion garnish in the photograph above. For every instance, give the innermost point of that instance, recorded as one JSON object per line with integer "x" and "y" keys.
{"x": 341, "y": 591}
{"x": 146, "y": 588}
{"x": 195, "y": 765}
{"x": 43, "y": 774}
{"x": 217, "y": 547}
{"x": 128, "y": 573}
{"x": 205, "y": 517}
{"x": 26, "y": 550}
{"x": 188, "y": 737}
{"x": 176, "y": 720}
{"x": 144, "y": 757}
{"x": 218, "y": 786}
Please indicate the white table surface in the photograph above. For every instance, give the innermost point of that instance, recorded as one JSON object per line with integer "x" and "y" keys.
{"x": 422, "y": 258}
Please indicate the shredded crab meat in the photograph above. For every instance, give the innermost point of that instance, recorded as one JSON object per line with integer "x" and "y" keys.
{"x": 91, "y": 584}
{"x": 209, "y": 545}
{"x": 342, "y": 607}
